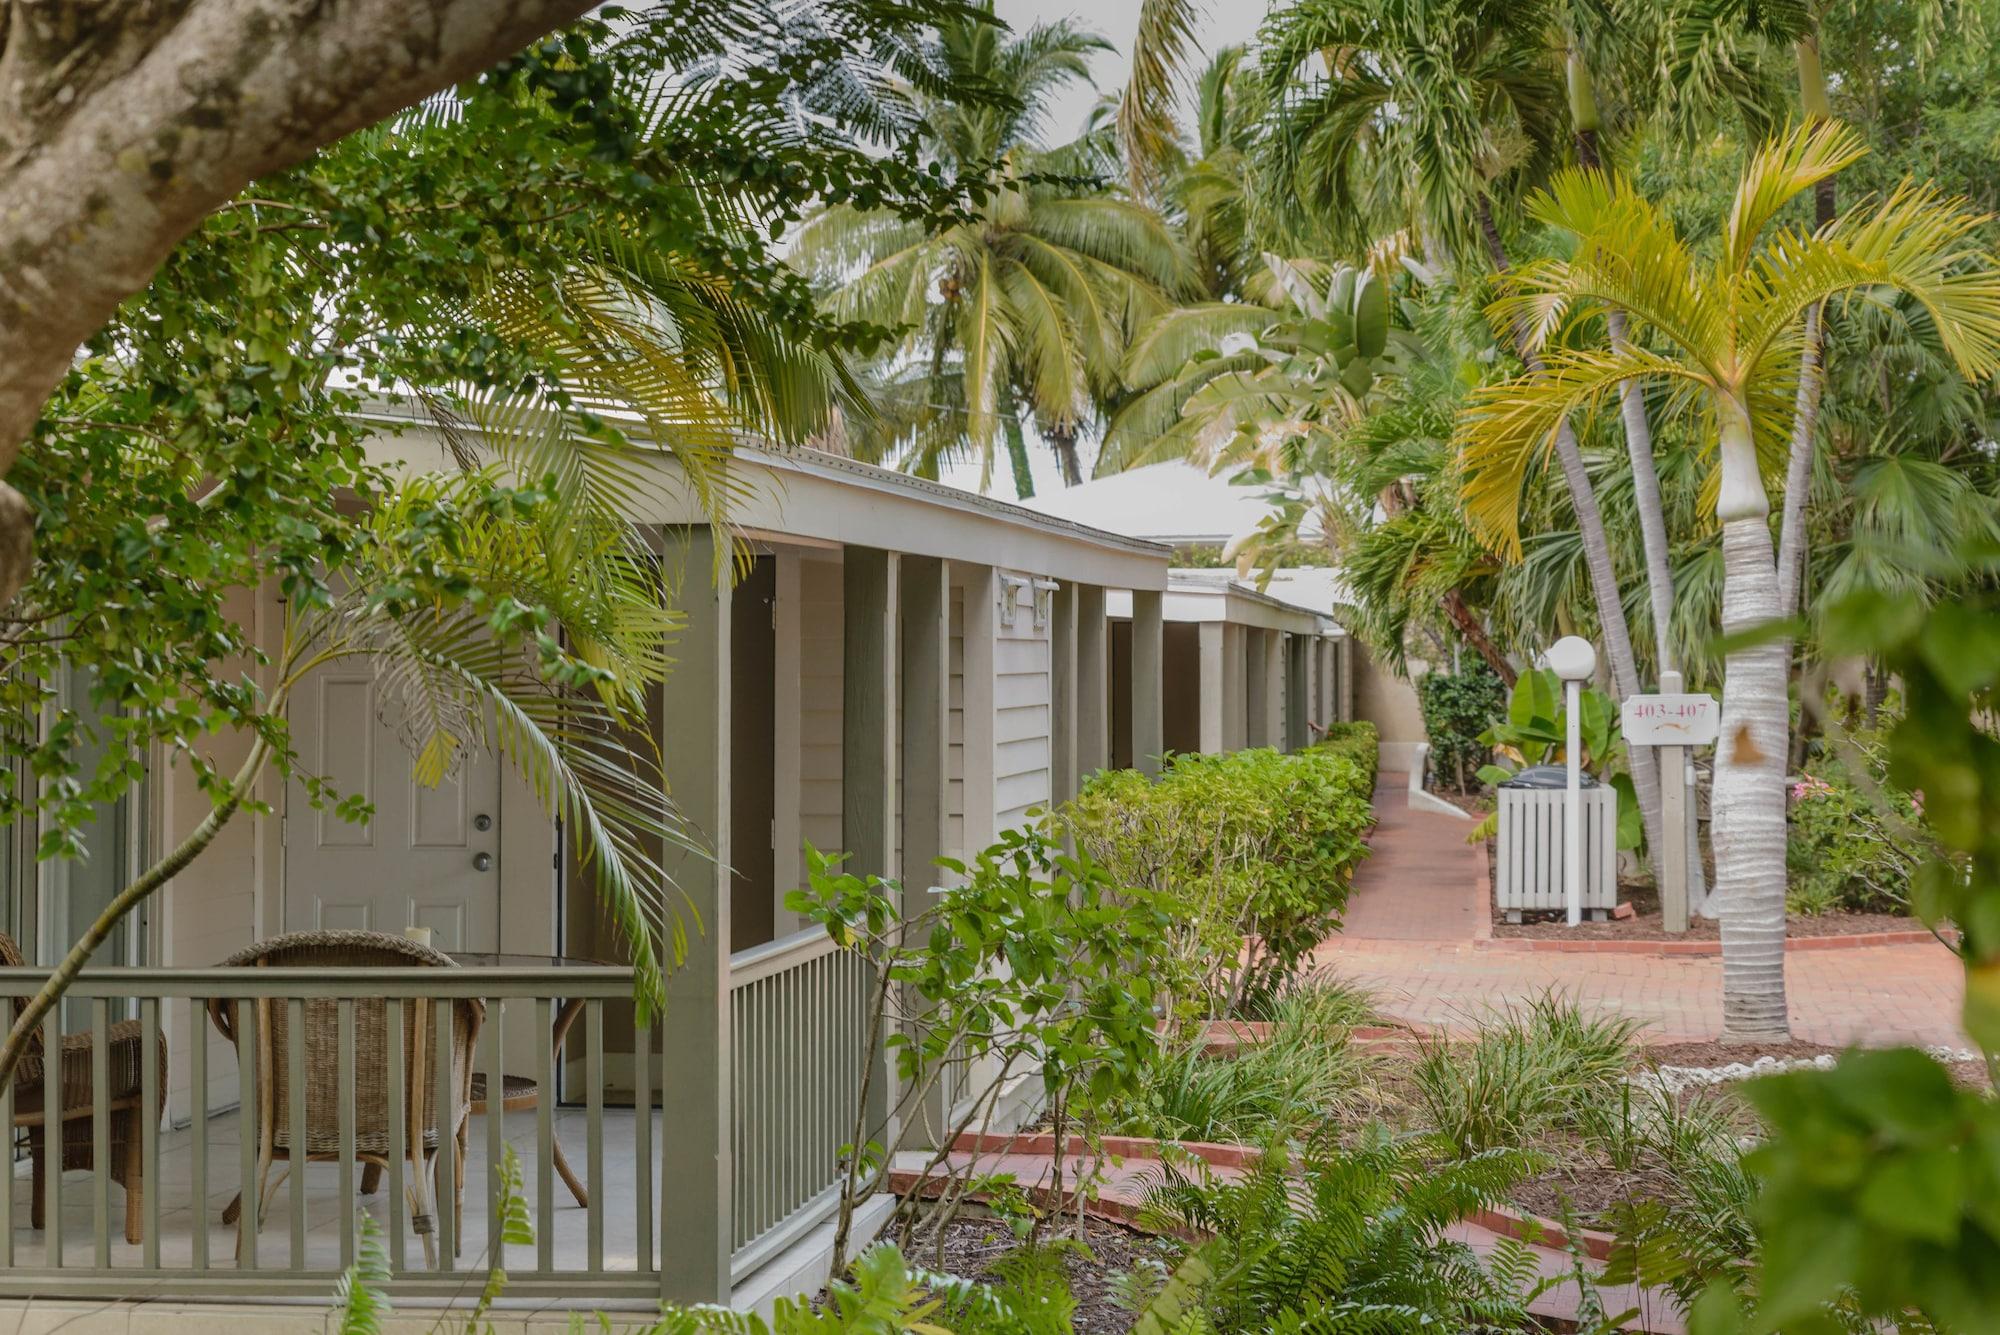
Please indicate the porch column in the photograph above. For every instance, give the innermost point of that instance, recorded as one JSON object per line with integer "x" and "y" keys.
{"x": 1344, "y": 663}
{"x": 1063, "y": 776}
{"x": 1149, "y": 656}
{"x": 1235, "y": 717}
{"x": 868, "y": 697}
{"x": 1274, "y": 688}
{"x": 867, "y": 715}
{"x": 696, "y": 1232}
{"x": 1298, "y": 691}
{"x": 1210, "y": 642}
{"x": 1323, "y": 649}
{"x": 1257, "y": 688}
{"x": 926, "y": 691}
{"x": 1093, "y": 680}
{"x": 924, "y": 591}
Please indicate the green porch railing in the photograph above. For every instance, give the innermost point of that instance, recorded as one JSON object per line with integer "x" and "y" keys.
{"x": 799, "y": 1029}
{"x": 335, "y": 1023}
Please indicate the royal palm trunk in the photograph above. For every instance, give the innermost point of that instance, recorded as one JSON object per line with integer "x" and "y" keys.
{"x": 1749, "y": 824}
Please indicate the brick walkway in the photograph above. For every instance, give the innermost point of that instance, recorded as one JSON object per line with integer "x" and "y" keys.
{"x": 1417, "y": 928}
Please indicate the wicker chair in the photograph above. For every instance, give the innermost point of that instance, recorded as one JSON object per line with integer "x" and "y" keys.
{"x": 421, "y": 1139}
{"x": 124, "y": 1047}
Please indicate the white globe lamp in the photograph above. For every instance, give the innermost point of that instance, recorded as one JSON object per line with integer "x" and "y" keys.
{"x": 1573, "y": 660}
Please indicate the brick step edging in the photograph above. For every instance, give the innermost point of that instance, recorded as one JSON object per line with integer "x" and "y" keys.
{"x": 1598, "y": 946}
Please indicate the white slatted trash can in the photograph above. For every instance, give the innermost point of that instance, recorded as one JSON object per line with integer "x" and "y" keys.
{"x": 1529, "y": 861}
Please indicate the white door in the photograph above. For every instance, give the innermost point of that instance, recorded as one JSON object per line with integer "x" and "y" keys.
{"x": 430, "y": 857}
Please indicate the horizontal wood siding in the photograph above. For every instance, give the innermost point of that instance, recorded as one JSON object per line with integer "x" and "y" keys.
{"x": 1021, "y": 713}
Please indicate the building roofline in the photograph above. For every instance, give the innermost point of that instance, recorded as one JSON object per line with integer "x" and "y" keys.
{"x": 843, "y": 470}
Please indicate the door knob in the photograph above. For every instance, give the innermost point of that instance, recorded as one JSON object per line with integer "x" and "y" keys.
{"x": 482, "y": 822}
{"x": 482, "y": 862}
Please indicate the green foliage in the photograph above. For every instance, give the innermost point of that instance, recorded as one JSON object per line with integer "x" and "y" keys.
{"x": 1349, "y": 1238}
{"x": 1358, "y": 741}
{"x": 586, "y": 232}
{"x": 361, "y": 1302}
{"x": 1459, "y": 707}
{"x": 1530, "y": 1071}
{"x": 1302, "y": 1073}
{"x": 1841, "y": 850}
{"x": 1036, "y": 959}
{"x": 1252, "y": 851}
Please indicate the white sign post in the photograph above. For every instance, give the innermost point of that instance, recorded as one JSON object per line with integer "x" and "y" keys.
{"x": 1672, "y": 722}
{"x": 1572, "y": 659}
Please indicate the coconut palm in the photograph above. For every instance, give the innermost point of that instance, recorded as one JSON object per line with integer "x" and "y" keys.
{"x": 1024, "y": 308}
{"x": 1732, "y": 334}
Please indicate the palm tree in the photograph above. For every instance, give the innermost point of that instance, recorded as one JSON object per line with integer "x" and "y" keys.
{"x": 1422, "y": 114}
{"x": 1026, "y": 307}
{"x": 1733, "y": 336}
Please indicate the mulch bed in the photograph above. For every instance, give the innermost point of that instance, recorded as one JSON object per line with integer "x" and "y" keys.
{"x": 973, "y": 1244}
{"x": 1646, "y": 924}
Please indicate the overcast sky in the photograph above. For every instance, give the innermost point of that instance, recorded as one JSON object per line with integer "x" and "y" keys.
{"x": 1221, "y": 23}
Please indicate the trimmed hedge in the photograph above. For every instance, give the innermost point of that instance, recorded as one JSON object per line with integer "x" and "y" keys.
{"x": 1256, "y": 850}
{"x": 1358, "y": 742}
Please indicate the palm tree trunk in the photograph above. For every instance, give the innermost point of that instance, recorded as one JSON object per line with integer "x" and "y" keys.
{"x": 1749, "y": 799}
{"x": 1063, "y": 442}
{"x": 1812, "y": 365}
{"x": 1017, "y": 456}
{"x": 1798, "y": 467}
{"x": 1474, "y": 634}
{"x": 1597, "y": 559}
{"x": 1631, "y": 399}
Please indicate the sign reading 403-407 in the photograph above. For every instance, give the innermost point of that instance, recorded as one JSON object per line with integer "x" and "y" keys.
{"x": 1670, "y": 720}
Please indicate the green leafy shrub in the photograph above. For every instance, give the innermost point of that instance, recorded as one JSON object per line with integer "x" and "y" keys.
{"x": 1458, "y": 709}
{"x": 1254, "y": 851}
{"x": 1357, "y": 741}
{"x": 1531, "y": 1071}
{"x": 1301, "y": 1073}
{"x": 1842, "y": 850}
{"x": 1353, "y": 1238}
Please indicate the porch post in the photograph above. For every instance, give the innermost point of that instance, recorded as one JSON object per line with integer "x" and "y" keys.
{"x": 1344, "y": 662}
{"x": 696, "y": 1228}
{"x": 867, "y": 715}
{"x": 1298, "y": 691}
{"x": 1148, "y": 666}
{"x": 1257, "y": 687}
{"x": 1093, "y": 676}
{"x": 926, "y": 690}
{"x": 1064, "y": 778}
{"x": 924, "y": 591}
{"x": 1235, "y": 717}
{"x": 1274, "y": 688}
{"x": 1214, "y": 681}
{"x": 1323, "y": 647}
{"x": 868, "y": 698}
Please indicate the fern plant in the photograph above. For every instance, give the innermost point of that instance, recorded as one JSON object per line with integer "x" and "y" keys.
{"x": 1351, "y": 1238}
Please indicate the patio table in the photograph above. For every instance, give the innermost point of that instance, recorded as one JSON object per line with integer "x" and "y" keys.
{"x": 523, "y": 1092}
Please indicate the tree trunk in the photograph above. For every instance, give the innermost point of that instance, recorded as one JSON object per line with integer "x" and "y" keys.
{"x": 120, "y": 131}
{"x": 1798, "y": 468}
{"x": 1475, "y": 635}
{"x": 1063, "y": 441}
{"x": 1597, "y": 559}
{"x": 1652, "y": 510}
{"x": 1017, "y": 457}
{"x": 1749, "y": 799}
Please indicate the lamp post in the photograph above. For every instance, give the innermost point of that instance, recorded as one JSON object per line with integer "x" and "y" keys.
{"x": 1572, "y": 659}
